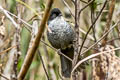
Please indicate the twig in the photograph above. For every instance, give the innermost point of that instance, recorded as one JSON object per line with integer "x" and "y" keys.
{"x": 9, "y": 65}
{"x": 77, "y": 39}
{"x": 109, "y": 19}
{"x": 84, "y": 1}
{"x": 31, "y": 52}
{"x": 26, "y": 5}
{"x": 84, "y": 8}
{"x": 92, "y": 56}
{"x": 100, "y": 38}
{"x": 68, "y": 7}
{"x": 92, "y": 19}
{"x": 7, "y": 14}
{"x": 43, "y": 65}
{"x": 92, "y": 26}
{"x": 7, "y": 49}
{"x": 28, "y": 28}
{"x": 113, "y": 40}
{"x": 4, "y": 76}
{"x": 58, "y": 51}
{"x": 18, "y": 29}
{"x": 9, "y": 17}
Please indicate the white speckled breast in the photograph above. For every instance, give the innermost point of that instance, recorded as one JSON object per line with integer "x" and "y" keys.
{"x": 61, "y": 35}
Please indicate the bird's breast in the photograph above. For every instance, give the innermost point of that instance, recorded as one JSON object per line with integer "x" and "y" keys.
{"x": 61, "y": 33}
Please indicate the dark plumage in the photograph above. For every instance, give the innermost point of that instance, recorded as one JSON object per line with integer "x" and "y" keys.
{"x": 61, "y": 37}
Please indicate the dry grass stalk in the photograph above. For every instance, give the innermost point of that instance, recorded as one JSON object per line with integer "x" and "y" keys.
{"x": 107, "y": 68}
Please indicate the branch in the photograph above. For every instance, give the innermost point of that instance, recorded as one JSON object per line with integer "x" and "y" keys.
{"x": 57, "y": 50}
{"x": 31, "y": 52}
{"x": 109, "y": 41}
{"x": 92, "y": 26}
{"x": 92, "y": 56}
{"x": 109, "y": 19}
{"x": 43, "y": 65}
{"x": 2, "y": 52}
{"x": 17, "y": 54}
{"x": 101, "y": 38}
{"x": 84, "y": 1}
{"x": 7, "y": 14}
{"x": 9, "y": 17}
{"x": 77, "y": 39}
{"x": 4, "y": 76}
{"x": 28, "y": 28}
{"x": 92, "y": 19}
{"x": 84, "y": 7}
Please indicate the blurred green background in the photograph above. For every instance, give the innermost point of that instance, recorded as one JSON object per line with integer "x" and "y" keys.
{"x": 50, "y": 57}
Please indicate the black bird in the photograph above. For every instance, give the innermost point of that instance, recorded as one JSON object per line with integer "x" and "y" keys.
{"x": 61, "y": 36}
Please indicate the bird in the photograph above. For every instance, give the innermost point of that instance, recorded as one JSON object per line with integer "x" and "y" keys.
{"x": 61, "y": 36}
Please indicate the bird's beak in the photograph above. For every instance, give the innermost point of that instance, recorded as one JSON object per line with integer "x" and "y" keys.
{"x": 60, "y": 15}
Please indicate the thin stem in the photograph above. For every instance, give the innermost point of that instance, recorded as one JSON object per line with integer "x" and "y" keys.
{"x": 84, "y": 8}
{"x": 31, "y": 52}
{"x": 68, "y": 7}
{"x": 109, "y": 19}
{"x": 4, "y": 76}
{"x": 113, "y": 40}
{"x": 58, "y": 51}
{"x": 100, "y": 38}
{"x": 92, "y": 26}
{"x": 84, "y": 1}
{"x": 92, "y": 56}
{"x": 92, "y": 19}
{"x": 43, "y": 65}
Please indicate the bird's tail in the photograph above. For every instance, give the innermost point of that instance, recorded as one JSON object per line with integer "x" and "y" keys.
{"x": 66, "y": 65}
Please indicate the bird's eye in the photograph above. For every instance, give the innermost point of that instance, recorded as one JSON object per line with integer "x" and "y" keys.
{"x": 54, "y": 16}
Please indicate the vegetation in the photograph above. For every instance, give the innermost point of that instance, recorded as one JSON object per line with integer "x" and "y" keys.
{"x": 97, "y": 43}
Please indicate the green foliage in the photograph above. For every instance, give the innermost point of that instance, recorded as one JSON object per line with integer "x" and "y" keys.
{"x": 42, "y": 6}
{"x": 25, "y": 39}
{"x": 12, "y": 5}
{"x": 96, "y": 3}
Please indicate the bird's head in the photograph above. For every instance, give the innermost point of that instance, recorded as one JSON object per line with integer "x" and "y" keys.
{"x": 55, "y": 13}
